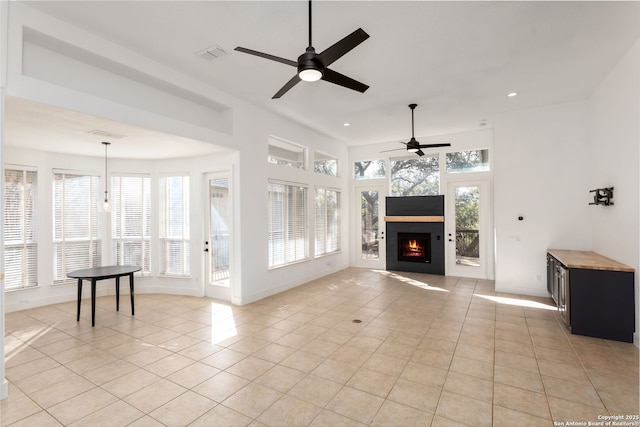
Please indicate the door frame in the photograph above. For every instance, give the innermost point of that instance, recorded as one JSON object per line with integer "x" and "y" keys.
{"x": 214, "y": 290}
{"x": 485, "y": 270}
{"x": 381, "y": 262}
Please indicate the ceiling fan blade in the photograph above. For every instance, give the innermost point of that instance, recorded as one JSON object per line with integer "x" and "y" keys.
{"x": 395, "y": 149}
{"x": 420, "y": 153}
{"x": 337, "y": 50}
{"x": 434, "y": 145}
{"x": 342, "y": 80}
{"x": 267, "y": 56}
{"x": 291, "y": 83}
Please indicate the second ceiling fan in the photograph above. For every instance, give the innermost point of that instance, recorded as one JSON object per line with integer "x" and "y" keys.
{"x": 312, "y": 66}
{"x": 413, "y": 145}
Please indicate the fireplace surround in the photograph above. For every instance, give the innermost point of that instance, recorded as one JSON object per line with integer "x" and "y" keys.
{"x": 415, "y": 234}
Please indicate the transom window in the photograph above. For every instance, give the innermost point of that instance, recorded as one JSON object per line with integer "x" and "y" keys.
{"x": 286, "y": 153}
{"x": 325, "y": 164}
{"x": 468, "y": 161}
{"x": 369, "y": 169}
{"x": 415, "y": 177}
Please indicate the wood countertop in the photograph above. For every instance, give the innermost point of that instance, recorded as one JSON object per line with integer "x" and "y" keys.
{"x": 587, "y": 260}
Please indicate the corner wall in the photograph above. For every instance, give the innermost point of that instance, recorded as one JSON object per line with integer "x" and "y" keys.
{"x": 614, "y": 149}
{"x": 540, "y": 172}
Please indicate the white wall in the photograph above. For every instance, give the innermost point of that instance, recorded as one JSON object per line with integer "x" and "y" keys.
{"x": 614, "y": 156}
{"x": 541, "y": 172}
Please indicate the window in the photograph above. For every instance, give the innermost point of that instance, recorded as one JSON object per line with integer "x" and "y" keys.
{"x": 20, "y": 247}
{"x": 130, "y": 220}
{"x": 468, "y": 161}
{"x": 369, "y": 169}
{"x": 415, "y": 177}
{"x": 323, "y": 163}
{"x": 174, "y": 226}
{"x": 76, "y": 237}
{"x": 287, "y": 223}
{"x": 327, "y": 221}
{"x": 286, "y": 153}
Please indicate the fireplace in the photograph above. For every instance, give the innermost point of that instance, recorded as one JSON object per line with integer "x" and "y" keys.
{"x": 415, "y": 234}
{"x": 414, "y": 247}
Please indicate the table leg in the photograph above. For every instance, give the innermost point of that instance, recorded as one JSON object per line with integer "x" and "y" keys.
{"x": 93, "y": 302}
{"x": 79, "y": 298}
{"x": 131, "y": 292}
{"x": 117, "y": 293}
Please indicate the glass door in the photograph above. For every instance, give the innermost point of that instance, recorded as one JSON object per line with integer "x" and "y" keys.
{"x": 217, "y": 242}
{"x": 370, "y": 231}
{"x": 467, "y": 229}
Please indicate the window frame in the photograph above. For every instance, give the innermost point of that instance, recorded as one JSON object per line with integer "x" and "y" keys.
{"x": 27, "y": 247}
{"x": 291, "y": 227}
{"x": 323, "y": 229}
{"x": 118, "y": 242}
{"x": 64, "y": 242}
{"x": 164, "y": 237}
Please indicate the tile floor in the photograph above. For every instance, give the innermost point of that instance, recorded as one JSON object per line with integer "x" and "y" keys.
{"x": 428, "y": 351}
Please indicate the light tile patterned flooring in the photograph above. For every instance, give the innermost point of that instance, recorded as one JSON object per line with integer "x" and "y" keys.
{"x": 429, "y": 350}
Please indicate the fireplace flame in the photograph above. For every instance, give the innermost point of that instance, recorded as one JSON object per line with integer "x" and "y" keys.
{"x": 413, "y": 244}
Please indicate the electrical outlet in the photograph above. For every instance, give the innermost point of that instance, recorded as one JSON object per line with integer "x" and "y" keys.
{"x": 538, "y": 277}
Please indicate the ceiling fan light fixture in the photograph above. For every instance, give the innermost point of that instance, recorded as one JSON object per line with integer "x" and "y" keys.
{"x": 310, "y": 75}
{"x": 413, "y": 149}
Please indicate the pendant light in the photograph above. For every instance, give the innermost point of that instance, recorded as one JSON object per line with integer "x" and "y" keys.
{"x": 105, "y": 205}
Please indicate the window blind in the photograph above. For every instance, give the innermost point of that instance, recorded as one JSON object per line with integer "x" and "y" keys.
{"x": 130, "y": 221}
{"x": 76, "y": 232}
{"x": 327, "y": 216}
{"x": 287, "y": 224}
{"x": 174, "y": 228}
{"x": 20, "y": 247}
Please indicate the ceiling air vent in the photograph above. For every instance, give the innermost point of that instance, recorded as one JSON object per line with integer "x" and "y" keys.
{"x": 106, "y": 134}
{"x": 212, "y": 52}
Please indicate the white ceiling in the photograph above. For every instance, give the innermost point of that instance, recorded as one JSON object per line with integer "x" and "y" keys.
{"x": 456, "y": 60}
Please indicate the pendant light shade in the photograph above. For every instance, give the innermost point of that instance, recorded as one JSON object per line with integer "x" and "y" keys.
{"x": 104, "y": 205}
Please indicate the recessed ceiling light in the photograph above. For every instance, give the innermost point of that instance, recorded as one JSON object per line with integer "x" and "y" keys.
{"x": 347, "y": 124}
{"x": 512, "y": 94}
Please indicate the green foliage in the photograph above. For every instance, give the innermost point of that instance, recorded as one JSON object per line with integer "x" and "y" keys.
{"x": 415, "y": 177}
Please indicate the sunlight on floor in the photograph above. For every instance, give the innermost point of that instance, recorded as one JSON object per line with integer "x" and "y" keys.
{"x": 223, "y": 325}
{"x": 409, "y": 281}
{"x": 518, "y": 302}
{"x": 10, "y": 352}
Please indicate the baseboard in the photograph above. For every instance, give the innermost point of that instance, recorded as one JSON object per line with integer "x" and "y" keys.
{"x": 4, "y": 389}
{"x": 244, "y": 300}
{"x": 534, "y": 292}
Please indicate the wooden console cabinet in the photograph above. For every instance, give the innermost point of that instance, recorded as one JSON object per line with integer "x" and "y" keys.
{"x": 599, "y": 296}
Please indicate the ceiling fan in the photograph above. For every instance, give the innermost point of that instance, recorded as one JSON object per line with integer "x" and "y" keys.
{"x": 413, "y": 145}
{"x": 312, "y": 66}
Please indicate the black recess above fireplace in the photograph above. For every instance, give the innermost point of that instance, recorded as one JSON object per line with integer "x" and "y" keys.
{"x": 415, "y": 234}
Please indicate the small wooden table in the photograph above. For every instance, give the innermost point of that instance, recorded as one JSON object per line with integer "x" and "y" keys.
{"x": 100, "y": 273}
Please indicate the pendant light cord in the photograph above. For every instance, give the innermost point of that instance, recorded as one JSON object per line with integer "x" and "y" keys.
{"x": 106, "y": 183}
